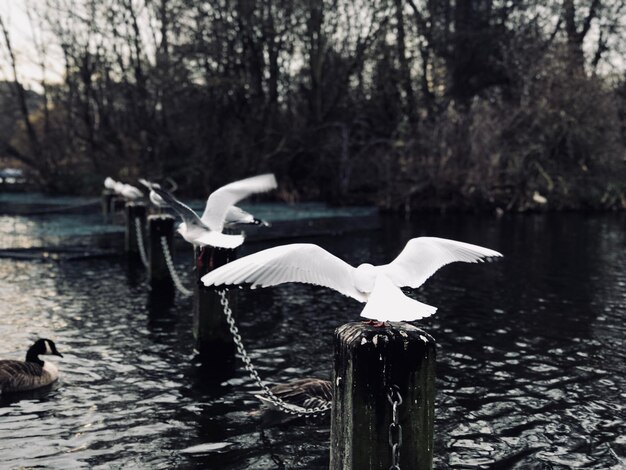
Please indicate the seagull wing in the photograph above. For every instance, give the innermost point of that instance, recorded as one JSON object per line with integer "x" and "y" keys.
{"x": 187, "y": 214}
{"x": 219, "y": 239}
{"x": 299, "y": 262}
{"x": 423, "y": 256}
{"x": 221, "y": 199}
{"x": 149, "y": 184}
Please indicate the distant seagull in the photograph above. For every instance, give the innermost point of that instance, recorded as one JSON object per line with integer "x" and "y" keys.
{"x": 127, "y": 191}
{"x": 21, "y": 376}
{"x": 377, "y": 286}
{"x": 154, "y": 197}
{"x": 219, "y": 212}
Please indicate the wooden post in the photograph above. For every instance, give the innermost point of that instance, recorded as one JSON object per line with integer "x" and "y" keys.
{"x": 108, "y": 196}
{"x": 210, "y": 330}
{"x": 134, "y": 211}
{"x": 368, "y": 360}
{"x": 111, "y": 203}
{"x": 159, "y": 226}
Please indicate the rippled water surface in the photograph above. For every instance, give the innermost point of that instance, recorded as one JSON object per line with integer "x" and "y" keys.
{"x": 531, "y": 353}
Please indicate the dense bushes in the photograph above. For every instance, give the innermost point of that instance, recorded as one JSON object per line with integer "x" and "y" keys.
{"x": 470, "y": 105}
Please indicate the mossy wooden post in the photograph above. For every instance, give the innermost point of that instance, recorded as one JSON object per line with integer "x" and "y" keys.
{"x": 135, "y": 211}
{"x": 210, "y": 330}
{"x": 160, "y": 226}
{"x": 368, "y": 361}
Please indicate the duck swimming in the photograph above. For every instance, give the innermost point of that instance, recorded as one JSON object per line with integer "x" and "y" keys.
{"x": 309, "y": 392}
{"x": 21, "y": 376}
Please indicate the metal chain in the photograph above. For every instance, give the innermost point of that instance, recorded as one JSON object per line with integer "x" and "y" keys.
{"x": 142, "y": 248}
{"x": 395, "y": 430}
{"x": 172, "y": 269}
{"x": 276, "y": 401}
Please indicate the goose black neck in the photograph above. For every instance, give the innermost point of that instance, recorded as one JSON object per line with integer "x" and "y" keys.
{"x": 33, "y": 356}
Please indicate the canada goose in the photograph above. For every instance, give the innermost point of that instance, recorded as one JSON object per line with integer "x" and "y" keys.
{"x": 20, "y": 376}
{"x": 309, "y": 392}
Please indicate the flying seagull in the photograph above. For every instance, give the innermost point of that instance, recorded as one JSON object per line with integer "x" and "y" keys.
{"x": 193, "y": 229}
{"x": 154, "y": 197}
{"x": 219, "y": 211}
{"x": 376, "y": 286}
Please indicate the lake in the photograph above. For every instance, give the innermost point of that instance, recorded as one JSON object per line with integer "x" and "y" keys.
{"x": 531, "y": 366}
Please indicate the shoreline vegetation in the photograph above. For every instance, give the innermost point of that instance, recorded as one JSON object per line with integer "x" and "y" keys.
{"x": 409, "y": 106}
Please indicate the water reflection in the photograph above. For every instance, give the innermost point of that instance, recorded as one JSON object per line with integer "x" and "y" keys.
{"x": 531, "y": 355}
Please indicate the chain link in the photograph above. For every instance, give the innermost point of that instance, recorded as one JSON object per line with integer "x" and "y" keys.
{"x": 140, "y": 245}
{"x": 395, "y": 430}
{"x": 276, "y": 401}
{"x": 172, "y": 269}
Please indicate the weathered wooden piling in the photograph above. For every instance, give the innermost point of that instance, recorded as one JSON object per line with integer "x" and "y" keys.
{"x": 212, "y": 336}
{"x": 135, "y": 218}
{"x": 369, "y": 361}
{"x": 160, "y": 226}
{"x": 108, "y": 202}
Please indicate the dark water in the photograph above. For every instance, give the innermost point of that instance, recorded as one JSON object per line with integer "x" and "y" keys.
{"x": 531, "y": 356}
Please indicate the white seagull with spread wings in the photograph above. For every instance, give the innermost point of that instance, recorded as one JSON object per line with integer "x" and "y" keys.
{"x": 219, "y": 212}
{"x": 376, "y": 286}
{"x": 220, "y": 209}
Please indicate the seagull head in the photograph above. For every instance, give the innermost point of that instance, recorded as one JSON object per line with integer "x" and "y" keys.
{"x": 364, "y": 278}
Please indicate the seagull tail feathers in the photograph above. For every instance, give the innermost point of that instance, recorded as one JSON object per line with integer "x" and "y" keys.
{"x": 387, "y": 302}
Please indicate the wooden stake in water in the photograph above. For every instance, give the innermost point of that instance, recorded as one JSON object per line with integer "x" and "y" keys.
{"x": 211, "y": 333}
{"x": 108, "y": 201}
{"x": 159, "y": 226}
{"x": 134, "y": 211}
{"x": 370, "y": 363}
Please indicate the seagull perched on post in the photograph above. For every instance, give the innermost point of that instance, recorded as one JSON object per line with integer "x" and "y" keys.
{"x": 127, "y": 191}
{"x": 219, "y": 212}
{"x": 376, "y": 286}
